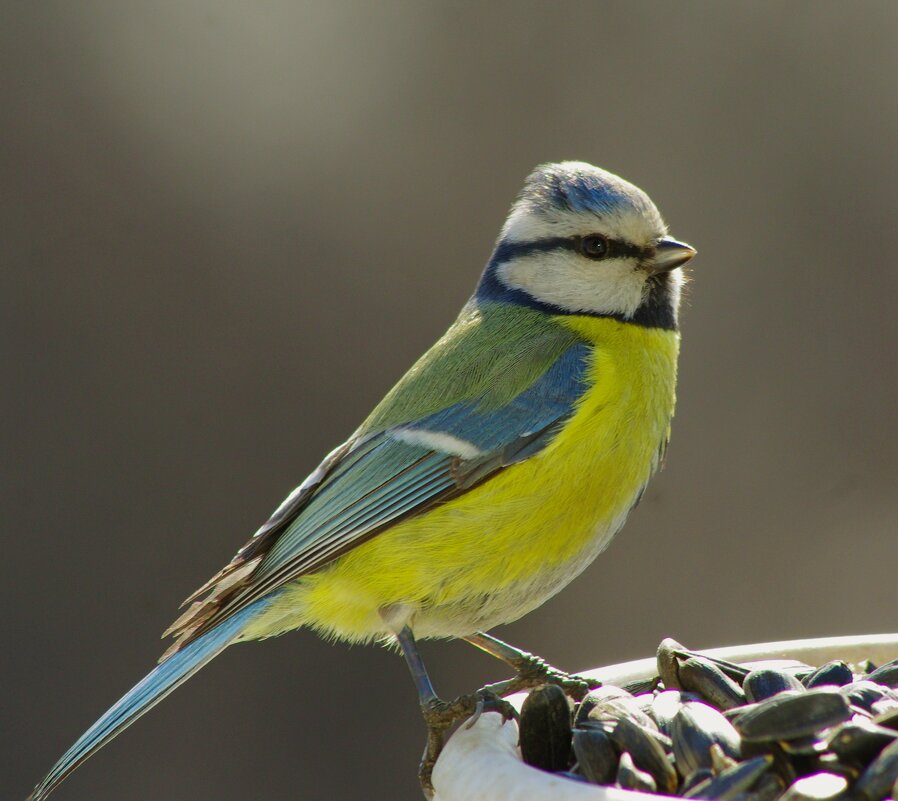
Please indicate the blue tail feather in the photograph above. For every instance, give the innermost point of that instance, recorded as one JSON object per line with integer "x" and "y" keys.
{"x": 157, "y": 684}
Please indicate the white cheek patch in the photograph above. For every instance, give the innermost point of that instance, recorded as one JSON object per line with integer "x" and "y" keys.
{"x": 675, "y": 280}
{"x": 577, "y": 284}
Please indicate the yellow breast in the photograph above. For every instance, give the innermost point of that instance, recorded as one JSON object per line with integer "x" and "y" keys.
{"x": 499, "y": 551}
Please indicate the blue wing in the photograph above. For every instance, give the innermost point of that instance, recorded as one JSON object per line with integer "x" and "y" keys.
{"x": 364, "y": 486}
{"x": 372, "y": 483}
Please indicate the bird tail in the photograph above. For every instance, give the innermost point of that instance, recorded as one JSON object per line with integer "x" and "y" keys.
{"x": 148, "y": 692}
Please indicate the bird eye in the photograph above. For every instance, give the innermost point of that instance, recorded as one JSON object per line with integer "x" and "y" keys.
{"x": 594, "y": 246}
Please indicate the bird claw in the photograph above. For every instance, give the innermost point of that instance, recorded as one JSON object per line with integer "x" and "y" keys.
{"x": 532, "y": 671}
{"x": 441, "y": 715}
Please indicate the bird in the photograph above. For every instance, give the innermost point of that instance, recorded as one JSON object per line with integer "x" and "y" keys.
{"x": 496, "y": 469}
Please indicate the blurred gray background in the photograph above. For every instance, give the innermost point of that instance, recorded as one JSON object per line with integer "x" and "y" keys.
{"x": 227, "y": 228}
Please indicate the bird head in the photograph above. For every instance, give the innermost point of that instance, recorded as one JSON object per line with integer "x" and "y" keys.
{"x": 580, "y": 240}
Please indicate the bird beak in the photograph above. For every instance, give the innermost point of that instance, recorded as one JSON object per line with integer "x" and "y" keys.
{"x": 669, "y": 254}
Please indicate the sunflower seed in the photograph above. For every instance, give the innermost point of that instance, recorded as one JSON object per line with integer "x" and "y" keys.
{"x": 707, "y": 680}
{"x": 876, "y": 782}
{"x": 596, "y": 756}
{"x": 733, "y": 782}
{"x": 859, "y": 740}
{"x": 546, "y": 728}
{"x": 835, "y": 673}
{"x": 764, "y": 683}
{"x": 696, "y": 778}
{"x": 694, "y": 729}
{"x": 629, "y": 777}
{"x": 819, "y": 787}
{"x": 786, "y": 717}
{"x": 647, "y": 753}
{"x": 668, "y": 663}
{"x": 865, "y": 693}
{"x": 611, "y": 703}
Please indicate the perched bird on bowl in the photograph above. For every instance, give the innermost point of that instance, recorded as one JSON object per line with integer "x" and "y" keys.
{"x": 491, "y": 475}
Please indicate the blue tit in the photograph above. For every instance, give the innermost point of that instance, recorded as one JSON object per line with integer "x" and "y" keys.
{"x": 490, "y": 475}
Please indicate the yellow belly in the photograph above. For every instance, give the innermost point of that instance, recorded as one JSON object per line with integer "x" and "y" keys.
{"x": 500, "y": 550}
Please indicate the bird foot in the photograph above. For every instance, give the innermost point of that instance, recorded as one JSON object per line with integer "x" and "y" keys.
{"x": 532, "y": 671}
{"x": 441, "y": 715}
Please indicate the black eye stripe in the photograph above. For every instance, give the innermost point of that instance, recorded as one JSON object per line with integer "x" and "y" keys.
{"x": 616, "y": 248}
{"x": 594, "y": 246}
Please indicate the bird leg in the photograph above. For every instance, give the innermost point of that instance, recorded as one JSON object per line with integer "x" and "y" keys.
{"x": 440, "y": 715}
{"x": 530, "y": 669}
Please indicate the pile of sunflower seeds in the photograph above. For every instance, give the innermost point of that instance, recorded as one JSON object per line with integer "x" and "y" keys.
{"x": 711, "y": 729}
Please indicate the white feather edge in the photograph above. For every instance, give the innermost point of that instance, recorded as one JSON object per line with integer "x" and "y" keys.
{"x": 437, "y": 441}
